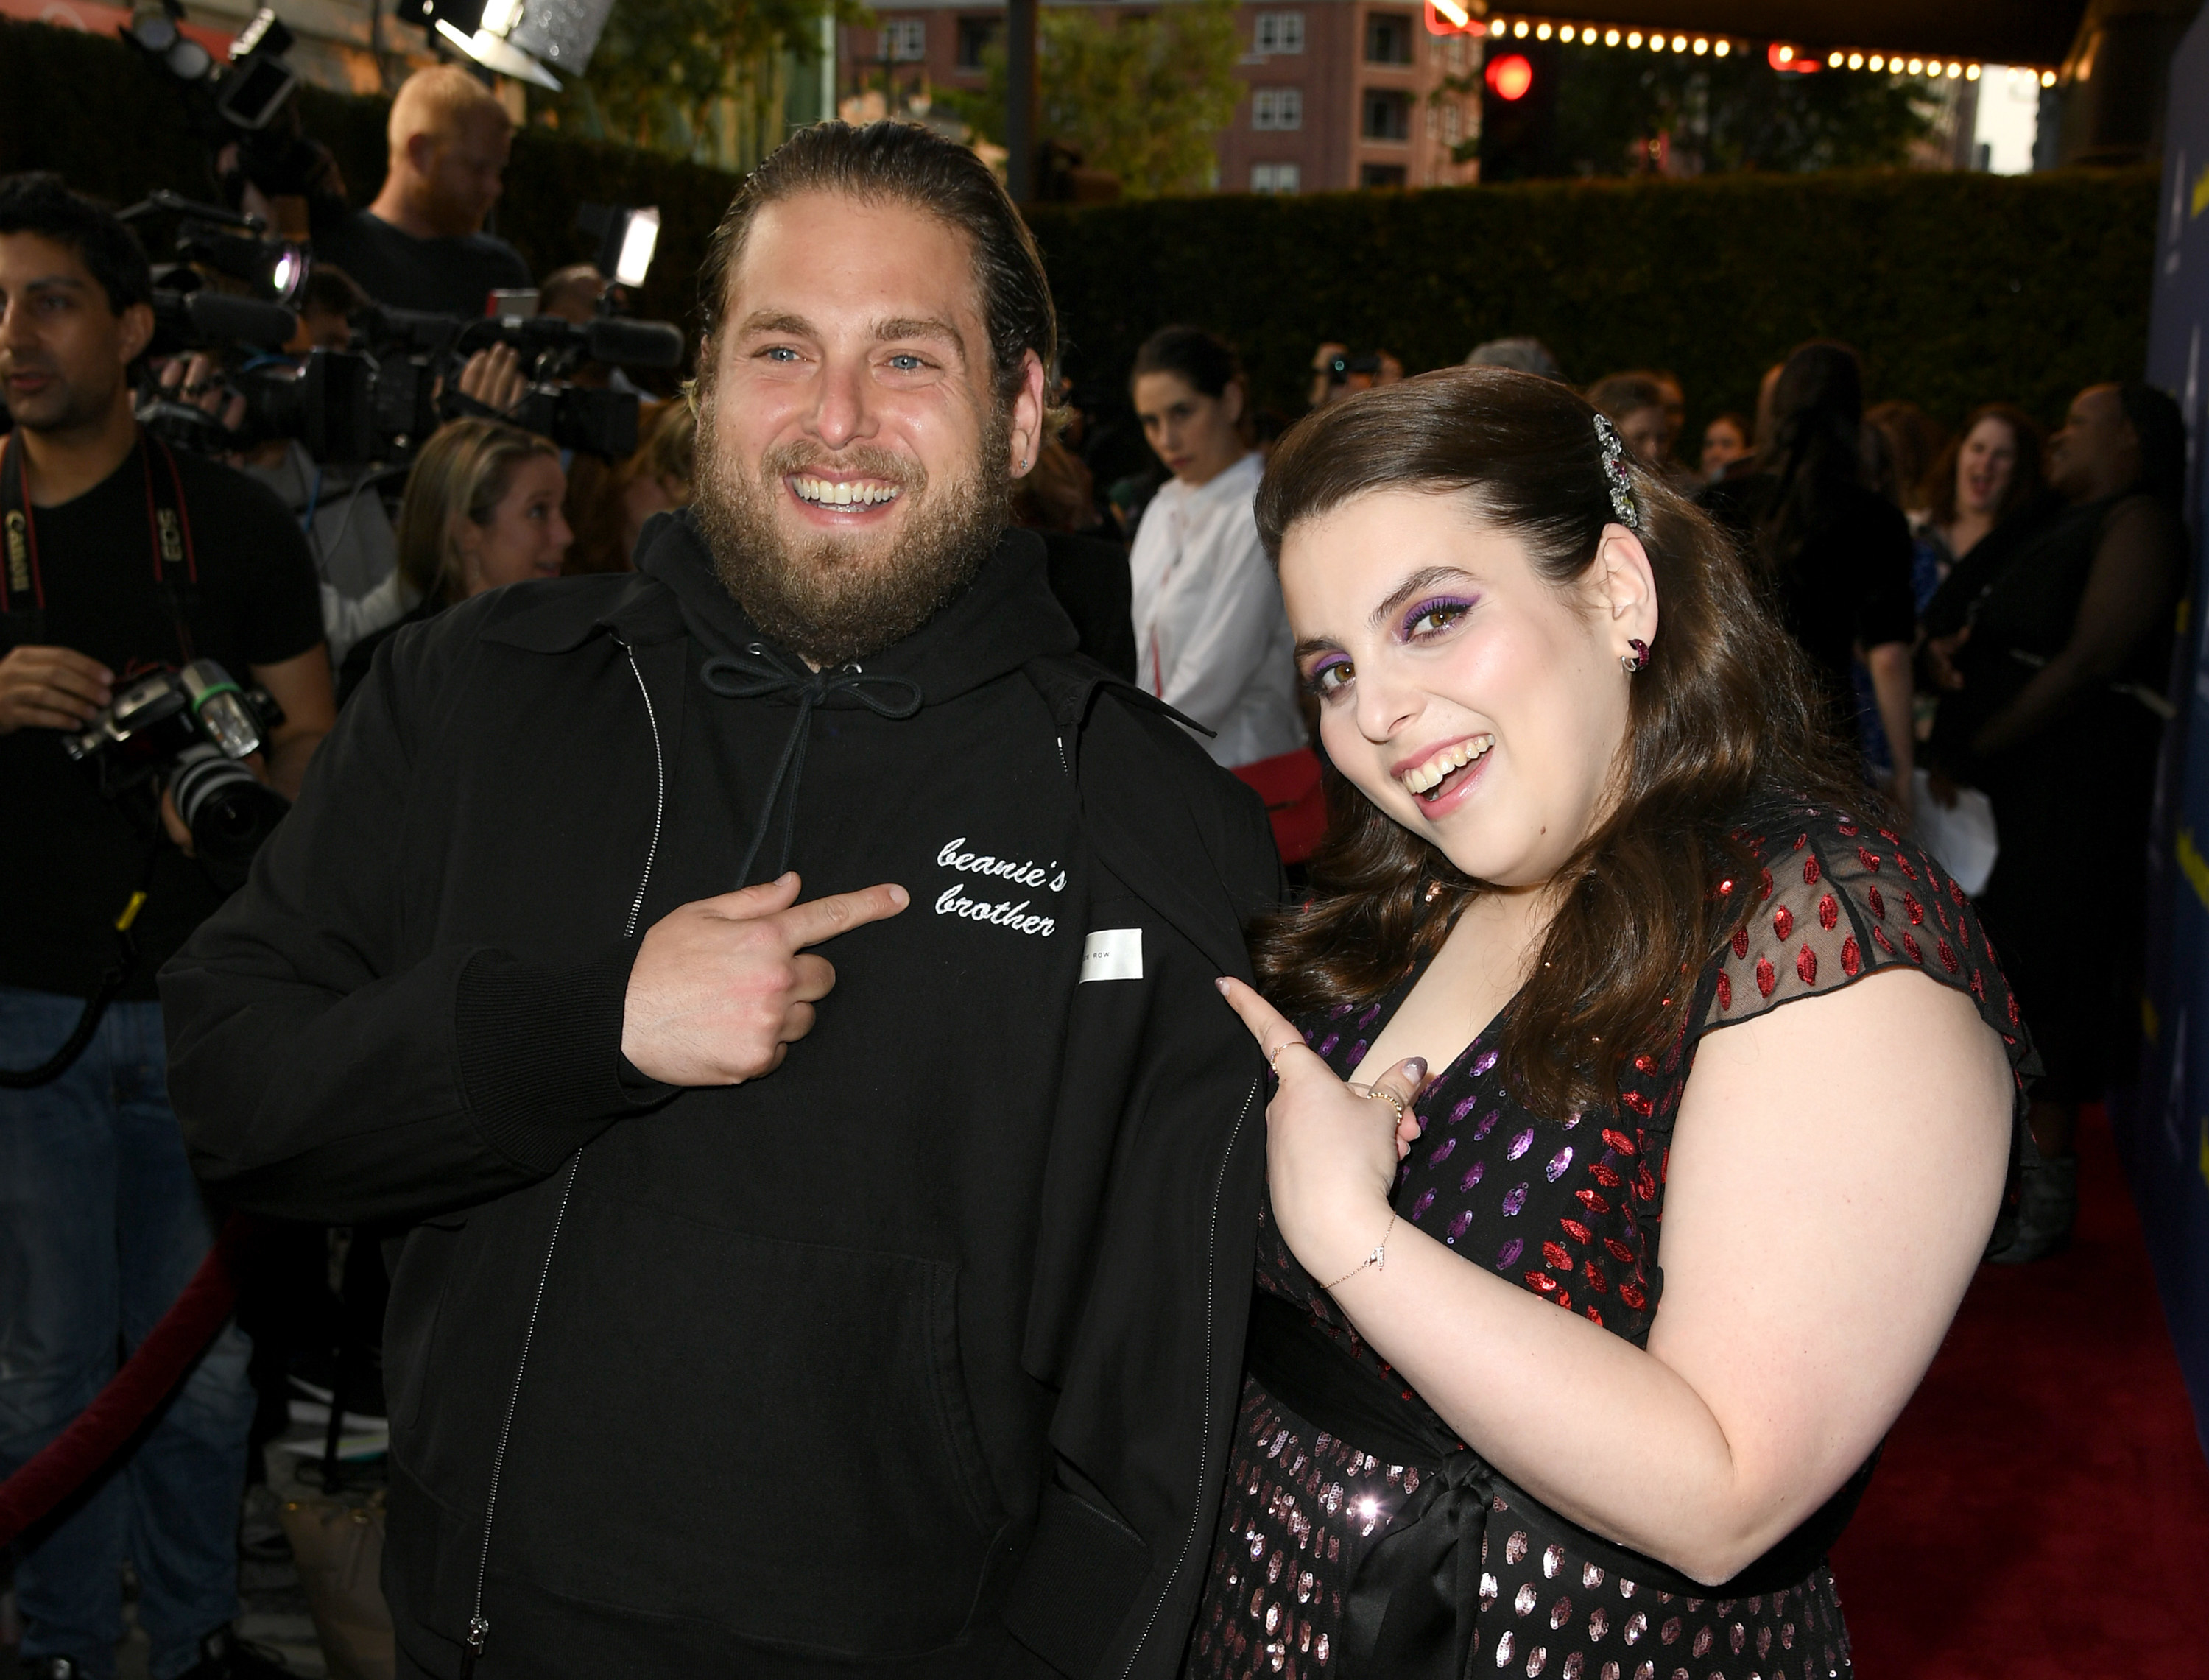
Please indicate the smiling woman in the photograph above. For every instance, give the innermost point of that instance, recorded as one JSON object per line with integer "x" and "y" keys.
{"x": 1588, "y": 863}
{"x": 1990, "y": 470}
{"x": 1718, "y": 722}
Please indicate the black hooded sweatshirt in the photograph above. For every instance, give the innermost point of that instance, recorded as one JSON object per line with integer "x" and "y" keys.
{"x": 914, "y": 1357}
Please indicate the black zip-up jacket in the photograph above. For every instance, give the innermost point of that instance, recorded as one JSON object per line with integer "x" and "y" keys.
{"x": 915, "y": 1358}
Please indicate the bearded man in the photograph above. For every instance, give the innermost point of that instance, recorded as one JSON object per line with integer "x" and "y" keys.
{"x": 745, "y": 1326}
